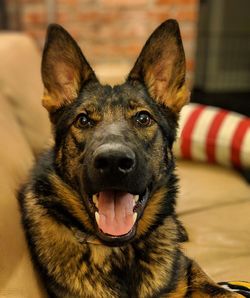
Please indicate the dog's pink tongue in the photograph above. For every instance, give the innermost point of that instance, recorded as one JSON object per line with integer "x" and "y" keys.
{"x": 115, "y": 212}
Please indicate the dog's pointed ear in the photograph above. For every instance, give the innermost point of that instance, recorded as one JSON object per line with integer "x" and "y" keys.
{"x": 161, "y": 67}
{"x": 64, "y": 69}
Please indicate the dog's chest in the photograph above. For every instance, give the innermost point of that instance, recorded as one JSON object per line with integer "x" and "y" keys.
{"x": 124, "y": 272}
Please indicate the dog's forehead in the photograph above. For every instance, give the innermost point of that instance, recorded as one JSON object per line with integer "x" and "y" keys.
{"x": 105, "y": 96}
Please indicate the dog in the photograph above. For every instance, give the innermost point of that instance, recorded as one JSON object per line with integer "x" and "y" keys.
{"x": 99, "y": 207}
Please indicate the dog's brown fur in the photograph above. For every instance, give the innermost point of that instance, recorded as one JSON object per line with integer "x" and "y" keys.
{"x": 62, "y": 235}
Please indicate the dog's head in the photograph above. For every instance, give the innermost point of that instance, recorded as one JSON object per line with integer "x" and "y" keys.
{"x": 113, "y": 144}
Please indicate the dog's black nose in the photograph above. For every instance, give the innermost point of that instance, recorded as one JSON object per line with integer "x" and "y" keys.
{"x": 114, "y": 158}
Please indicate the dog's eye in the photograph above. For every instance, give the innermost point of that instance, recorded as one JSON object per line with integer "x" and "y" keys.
{"x": 143, "y": 118}
{"x": 83, "y": 121}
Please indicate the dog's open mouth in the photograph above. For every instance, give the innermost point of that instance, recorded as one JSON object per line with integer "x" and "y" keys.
{"x": 117, "y": 212}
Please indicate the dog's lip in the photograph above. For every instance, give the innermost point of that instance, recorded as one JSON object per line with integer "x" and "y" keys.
{"x": 140, "y": 203}
{"x": 111, "y": 240}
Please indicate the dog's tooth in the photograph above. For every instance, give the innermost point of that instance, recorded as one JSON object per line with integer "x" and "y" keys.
{"x": 136, "y": 198}
{"x": 97, "y": 217}
{"x": 95, "y": 200}
{"x": 134, "y": 217}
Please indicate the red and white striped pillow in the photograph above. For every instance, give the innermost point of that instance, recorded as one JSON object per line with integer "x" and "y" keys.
{"x": 214, "y": 135}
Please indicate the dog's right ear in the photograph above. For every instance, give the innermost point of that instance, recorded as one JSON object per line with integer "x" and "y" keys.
{"x": 64, "y": 69}
{"x": 161, "y": 67}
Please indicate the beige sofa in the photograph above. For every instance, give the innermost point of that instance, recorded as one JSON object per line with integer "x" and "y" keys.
{"x": 214, "y": 202}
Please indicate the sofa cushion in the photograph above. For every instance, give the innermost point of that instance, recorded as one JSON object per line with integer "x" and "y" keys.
{"x": 21, "y": 84}
{"x": 214, "y": 135}
{"x": 17, "y": 276}
{"x": 214, "y": 205}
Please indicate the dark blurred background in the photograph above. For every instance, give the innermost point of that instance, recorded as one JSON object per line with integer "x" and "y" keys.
{"x": 216, "y": 36}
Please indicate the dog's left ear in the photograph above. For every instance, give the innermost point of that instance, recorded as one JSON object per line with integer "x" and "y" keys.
{"x": 64, "y": 69}
{"x": 161, "y": 67}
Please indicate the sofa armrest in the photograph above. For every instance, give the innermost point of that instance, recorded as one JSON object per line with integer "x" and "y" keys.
{"x": 21, "y": 85}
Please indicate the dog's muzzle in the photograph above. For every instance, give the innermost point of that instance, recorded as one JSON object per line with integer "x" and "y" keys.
{"x": 117, "y": 190}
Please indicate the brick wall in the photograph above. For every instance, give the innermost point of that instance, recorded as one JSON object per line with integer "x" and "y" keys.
{"x": 112, "y": 31}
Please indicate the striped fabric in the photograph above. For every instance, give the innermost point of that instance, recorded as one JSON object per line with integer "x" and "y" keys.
{"x": 214, "y": 135}
{"x": 240, "y": 287}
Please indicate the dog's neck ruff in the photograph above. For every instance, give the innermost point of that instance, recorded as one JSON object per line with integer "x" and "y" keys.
{"x": 83, "y": 238}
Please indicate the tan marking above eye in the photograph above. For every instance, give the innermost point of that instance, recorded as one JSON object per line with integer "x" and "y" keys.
{"x": 91, "y": 111}
{"x": 137, "y": 109}
{"x": 135, "y": 104}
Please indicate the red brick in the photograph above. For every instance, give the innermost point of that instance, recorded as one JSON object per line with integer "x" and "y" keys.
{"x": 62, "y": 17}
{"x": 120, "y": 26}
{"x": 178, "y": 13}
{"x": 35, "y": 18}
{"x": 176, "y": 2}
{"x": 188, "y": 36}
{"x": 38, "y": 35}
{"x": 108, "y": 52}
{"x": 125, "y": 3}
{"x": 113, "y": 30}
{"x": 93, "y": 16}
{"x": 158, "y": 17}
{"x": 68, "y": 2}
{"x": 186, "y": 15}
{"x": 190, "y": 65}
{"x": 30, "y": 1}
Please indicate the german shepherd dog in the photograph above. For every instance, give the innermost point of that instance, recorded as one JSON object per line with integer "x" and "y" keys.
{"x": 99, "y": 206}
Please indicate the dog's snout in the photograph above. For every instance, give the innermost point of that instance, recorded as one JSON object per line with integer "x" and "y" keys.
{"x": 114, "y": 158}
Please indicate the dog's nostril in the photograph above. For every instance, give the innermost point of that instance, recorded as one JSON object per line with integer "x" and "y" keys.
{"x": 126, "y": 164}
{"x": 122, "y": 164}
{"x": 115, "y": 159}
{"x": 101, "y": 163}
